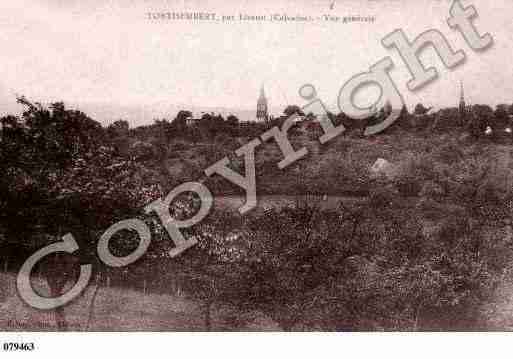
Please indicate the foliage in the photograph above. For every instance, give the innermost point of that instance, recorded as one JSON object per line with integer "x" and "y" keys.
{"x": 424, "y": 249}
{"x": 420, "y": 109}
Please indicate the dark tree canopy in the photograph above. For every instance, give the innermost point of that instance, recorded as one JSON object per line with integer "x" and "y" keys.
{"x": 293, "y": 110}
{"x": 420, "y": 109}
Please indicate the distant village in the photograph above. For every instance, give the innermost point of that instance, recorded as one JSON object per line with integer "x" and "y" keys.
{"x": 478, "y": 119}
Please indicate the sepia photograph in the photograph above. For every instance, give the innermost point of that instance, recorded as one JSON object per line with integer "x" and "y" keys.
{"x": 199, "y": 166}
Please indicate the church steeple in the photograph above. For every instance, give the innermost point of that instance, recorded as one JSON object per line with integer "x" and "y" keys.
{"x": 262, "y": 108}
{"x": 462, "y": 105}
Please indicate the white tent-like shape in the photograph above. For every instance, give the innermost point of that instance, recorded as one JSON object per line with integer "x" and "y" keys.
{"x": 383, "y": 167}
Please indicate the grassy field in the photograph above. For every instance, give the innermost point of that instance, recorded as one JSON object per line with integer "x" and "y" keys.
{"x": 119, "y": 309}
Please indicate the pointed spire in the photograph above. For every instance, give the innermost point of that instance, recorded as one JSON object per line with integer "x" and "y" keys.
{"x": 262, "y": 91}
{"x": 262, "y": 109}
{"x": 463, "y": 109}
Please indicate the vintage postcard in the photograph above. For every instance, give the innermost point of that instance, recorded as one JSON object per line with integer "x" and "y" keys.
{"x": 255, "y": 166}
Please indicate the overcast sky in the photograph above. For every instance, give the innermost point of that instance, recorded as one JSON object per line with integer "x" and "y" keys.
{"x": 109, "y": 52}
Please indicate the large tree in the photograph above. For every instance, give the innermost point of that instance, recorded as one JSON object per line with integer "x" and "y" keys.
{"x": 501, "y": 115}
{"x": 58, "y": 177}
{"x": 420, "y": 109}
{"x": 293, "y": 110}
